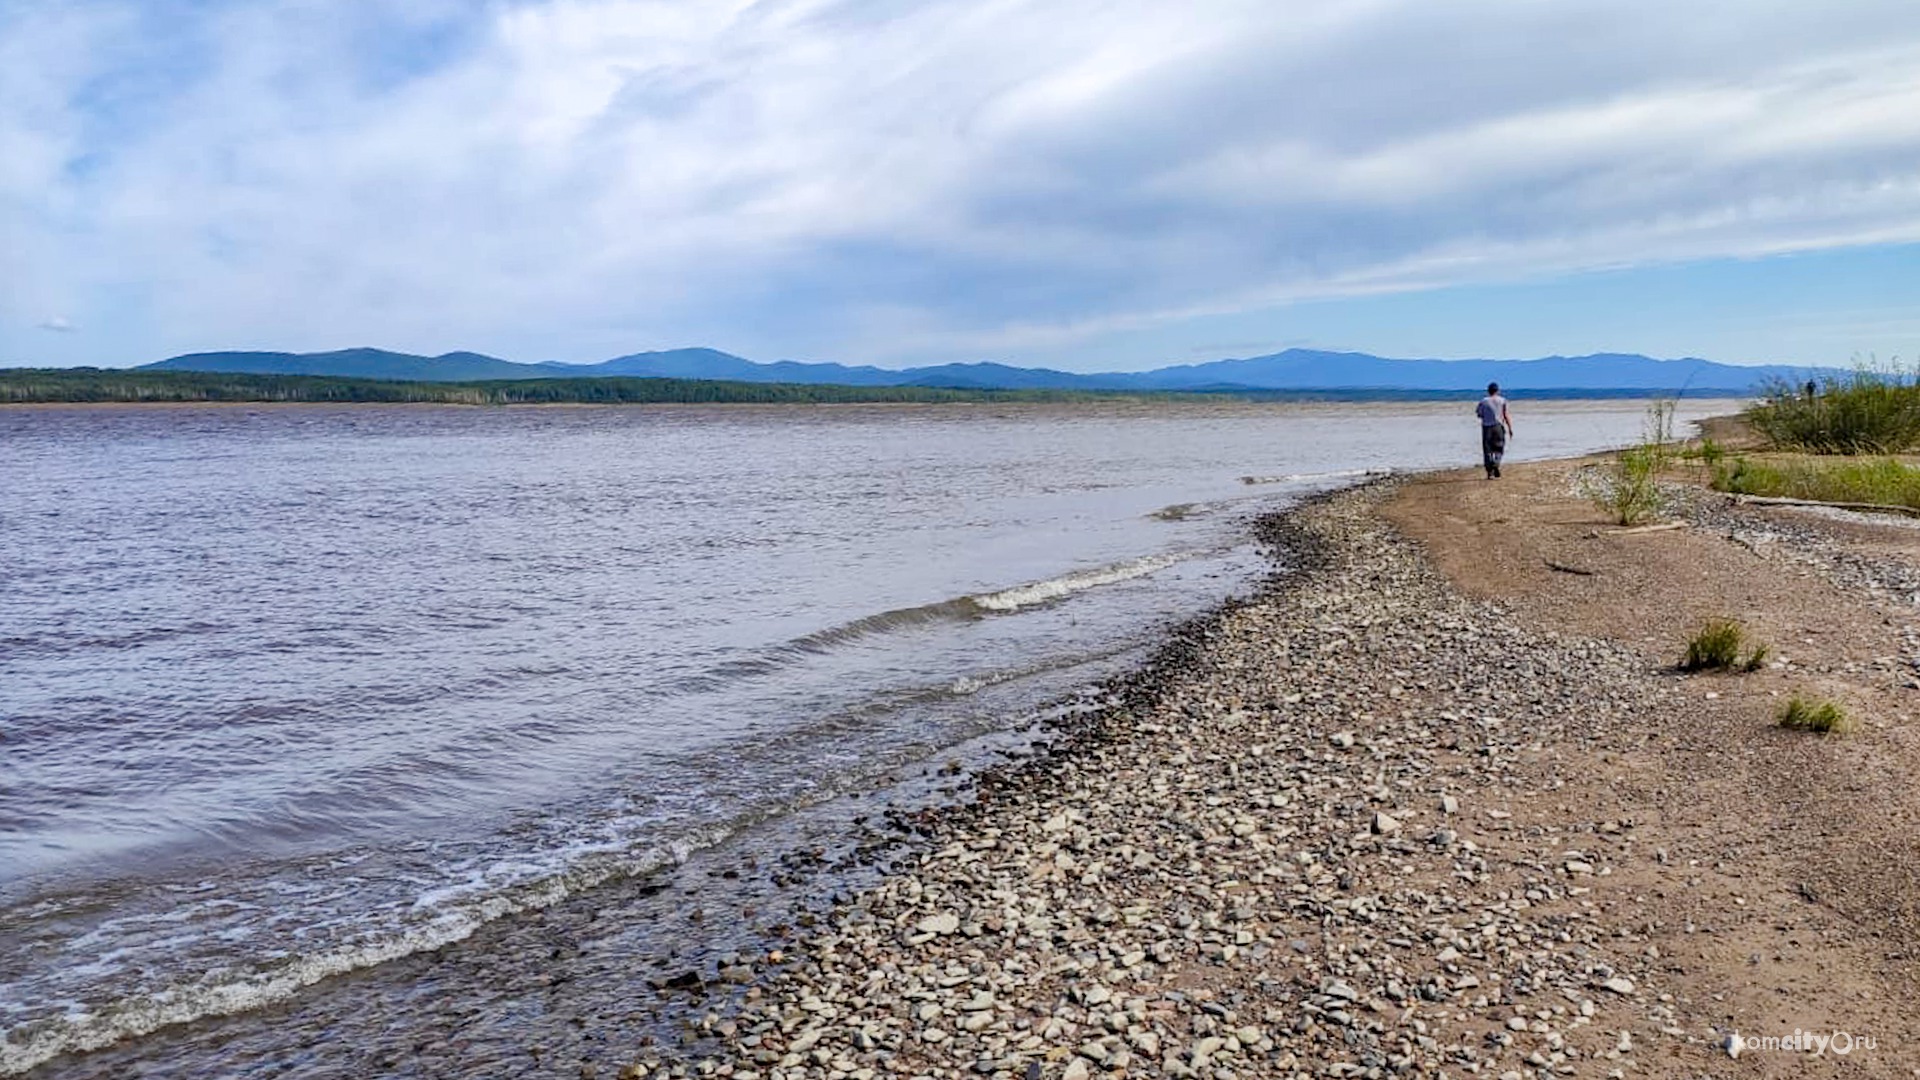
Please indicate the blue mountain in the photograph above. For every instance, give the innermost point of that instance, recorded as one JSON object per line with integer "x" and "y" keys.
{"x": 714, "y": 364}
{"x": 1306, "y": 369}
{"x": 1294, "y": 369}
{"x": 356, "y": 363}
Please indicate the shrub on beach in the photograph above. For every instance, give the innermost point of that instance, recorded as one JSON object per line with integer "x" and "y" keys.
{"x": 1866, "y": 412}
{"x": 1632, "y": 493}
{"x": 1718, "y": 647}
{"x": 1629, "y": 489}
{"x": 1659, "y": 443}
{"x": 1709, "y": 452}
{"x": 1805, "y": 714}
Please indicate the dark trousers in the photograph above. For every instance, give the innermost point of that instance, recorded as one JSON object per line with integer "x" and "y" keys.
{"x": 1493, "y": 444}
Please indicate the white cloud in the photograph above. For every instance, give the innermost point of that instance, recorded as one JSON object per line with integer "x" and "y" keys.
{"x": 871, "y": 179}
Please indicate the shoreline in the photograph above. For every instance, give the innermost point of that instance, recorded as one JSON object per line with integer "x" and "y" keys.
{"x": 1307, "y": 842}
{"x": 1279, "y": 805}
{"x": 1144, "y": 400}
{"x": 1161, "y": 988}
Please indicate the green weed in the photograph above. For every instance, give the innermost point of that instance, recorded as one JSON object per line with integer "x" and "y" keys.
{"x": 1718, "y": 647}
{"x": 1825, "y": 717}
{"x": 1871, "y": 411}
{"x": 1709, "y": 452}
{"x": 1658, "y": 432}
{"x": 1884, "y": 481}
{"x": 1632, "y": 492}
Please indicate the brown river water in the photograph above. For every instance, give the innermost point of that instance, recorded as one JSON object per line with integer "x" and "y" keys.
{"x": 327, "y": 732}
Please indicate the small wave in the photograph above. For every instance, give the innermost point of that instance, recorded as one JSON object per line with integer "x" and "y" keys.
{"x": 968, "y": 685}
{"x": 773, "y": 659}
{"x": 446, "y": 915}
{"x": 1179, "y": 511}
{"x": 1052, "y": 589}
{"x": 977, "y": 605}
{"x": 1301, "y": 478}
{"x": 958, "y": 609}
{"x": 448, "y": 911}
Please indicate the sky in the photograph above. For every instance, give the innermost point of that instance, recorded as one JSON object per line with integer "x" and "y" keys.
{"x": 1081, "y": 184}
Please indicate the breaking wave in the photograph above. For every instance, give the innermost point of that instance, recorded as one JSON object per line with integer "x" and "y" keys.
{"x": 440, "y": 916}
{"x": 1045, "y": 592}
{"x": 980, "y": 605}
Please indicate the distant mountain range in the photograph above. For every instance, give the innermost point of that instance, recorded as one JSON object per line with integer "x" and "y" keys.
{"x": 1294, "y": 369}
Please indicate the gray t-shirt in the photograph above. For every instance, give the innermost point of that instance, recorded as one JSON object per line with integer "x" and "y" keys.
{"x": 1490, "y": 408}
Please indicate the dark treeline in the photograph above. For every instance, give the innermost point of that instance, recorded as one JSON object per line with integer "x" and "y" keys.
{"x": 101, "y": 385}
{"x": 46, "y": 386}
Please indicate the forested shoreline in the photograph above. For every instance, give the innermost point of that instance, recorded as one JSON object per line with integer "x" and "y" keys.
{"x": 29, "y": 386}
{"x": 107, "y": 386}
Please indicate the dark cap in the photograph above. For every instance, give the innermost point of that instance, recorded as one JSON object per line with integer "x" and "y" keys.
{"x": 1493, "y": 388}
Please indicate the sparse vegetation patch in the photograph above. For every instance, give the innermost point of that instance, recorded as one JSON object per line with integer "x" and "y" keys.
{"x": 1806, "y": 714}
{"x": 1708, "y": 451}
{"x": 1867, "y": 412}
{"x": 1722, "y": 645}
{"x": 1632, "y": 492}
{"x": 1629, "y": 489}
{"x": 1881, "y": 481}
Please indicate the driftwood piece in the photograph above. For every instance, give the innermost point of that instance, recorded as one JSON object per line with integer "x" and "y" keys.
{"x": 1664, "y": 526}
{"x": 1565, "y": 569}
{"x": 1869, "y": 508}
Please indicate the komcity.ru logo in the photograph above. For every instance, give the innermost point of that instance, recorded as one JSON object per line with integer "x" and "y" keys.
{"x": 1801, "y": 1042}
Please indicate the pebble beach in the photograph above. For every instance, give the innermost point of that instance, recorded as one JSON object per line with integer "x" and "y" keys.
{"x": 1435, "y": 802}
{"x": 1288, "y": 849}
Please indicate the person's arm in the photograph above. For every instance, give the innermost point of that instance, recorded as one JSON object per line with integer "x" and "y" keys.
{"x": 1507, "y": 419}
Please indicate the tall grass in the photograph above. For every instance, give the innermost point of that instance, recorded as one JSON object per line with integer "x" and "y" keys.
{"x": 1709, "y": 452}
{"x": 1632, "y": 493}
{"x": 1629, "y": 489}
{"x": 1658, "y": 433}
{"x": 1855, "y": 480}
{"x": 1867, "y": 412}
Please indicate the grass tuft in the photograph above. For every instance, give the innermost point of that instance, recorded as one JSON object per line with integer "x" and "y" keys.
{"x": 1718, "y": 647}
{"x": 1709, "y": 452}
{"x": 1805, "y": 714}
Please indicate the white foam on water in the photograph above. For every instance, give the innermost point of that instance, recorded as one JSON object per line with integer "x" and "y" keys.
{"x": 1183, "y": 511}
{"x": 1042, "y": 592}
{"x": 1302, "y": 478}
{"x": 442, "y": 915}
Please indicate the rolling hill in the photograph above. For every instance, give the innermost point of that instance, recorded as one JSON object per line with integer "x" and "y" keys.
{"x": 1292, "y": 370}
{"x": 356, "y": 363}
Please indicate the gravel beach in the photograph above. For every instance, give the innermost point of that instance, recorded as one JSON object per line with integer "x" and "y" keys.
{"x": 1366, "y": 824}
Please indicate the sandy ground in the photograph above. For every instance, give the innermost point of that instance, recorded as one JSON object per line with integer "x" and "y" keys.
{"x": 1436, "y": 803}
{"x": 1792, "y": 858}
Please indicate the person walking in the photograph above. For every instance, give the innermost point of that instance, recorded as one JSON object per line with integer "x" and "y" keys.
{"x": 1495, "y": 426}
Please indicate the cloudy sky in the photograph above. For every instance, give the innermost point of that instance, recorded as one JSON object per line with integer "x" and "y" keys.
{"x": 1087, "y": 184}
